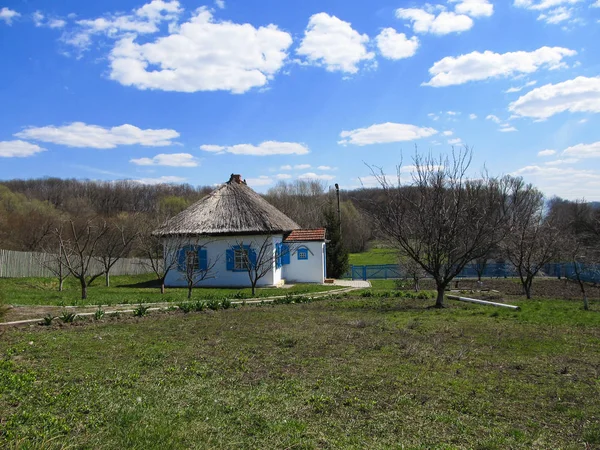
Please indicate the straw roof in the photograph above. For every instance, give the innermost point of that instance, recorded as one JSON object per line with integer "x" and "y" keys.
{"x": 231, "y": 209}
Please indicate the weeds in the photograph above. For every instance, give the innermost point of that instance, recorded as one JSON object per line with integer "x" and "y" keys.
{"x": 199, "y": 305}
{"x": 99, "y": 314}
{"x": 47, "y": 321}
{"x": 68, "y": 316}
{"x": 213, "y": 304}
{"x": 225, "y": 303}
{"x": 141, "y": 310}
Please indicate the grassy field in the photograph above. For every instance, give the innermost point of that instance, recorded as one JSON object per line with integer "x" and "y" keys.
{"x": 351, "y": 372}
{"x": 125, "y": 290}
{"x": 374, "y": 256}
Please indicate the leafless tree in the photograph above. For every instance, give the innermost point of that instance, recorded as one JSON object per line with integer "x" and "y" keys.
{"x": 115, "y": 243}
{"x": 533, "y": 239}
{"x": 412, "y": 270}
{"x": 194, "y": 265}
{"x": 257, "y": 259}
{"x": 443, "y": 220}
{"x": 54, "y": 261}
{"x": 80, "y": 240}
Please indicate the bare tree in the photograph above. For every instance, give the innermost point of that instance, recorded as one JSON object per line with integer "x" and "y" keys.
{"x": 533, "y": 239}
{"x": 412, "y": 270}
{"x": 79, "y": 240}
{"x": 444, "y": 220}
{"x": 257, "y": 259}
{"x": 115, "y": 243}
{"x": 54, "y": 262}
{"x": 194, "y": 265}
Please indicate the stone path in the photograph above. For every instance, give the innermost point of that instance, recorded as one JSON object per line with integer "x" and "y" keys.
{"x": 359, "y": 284}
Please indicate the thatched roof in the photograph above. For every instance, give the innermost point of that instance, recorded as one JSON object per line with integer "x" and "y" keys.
{"x": 231, "y": 209}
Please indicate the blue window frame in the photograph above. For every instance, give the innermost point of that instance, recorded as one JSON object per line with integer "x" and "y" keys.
{"x": 302, "y": 253}
{"x": 240, "y": 258}
{"x": 192, "y": 258}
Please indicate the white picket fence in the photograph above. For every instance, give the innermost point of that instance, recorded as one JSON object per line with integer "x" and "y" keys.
{"x": 30, "y": 264}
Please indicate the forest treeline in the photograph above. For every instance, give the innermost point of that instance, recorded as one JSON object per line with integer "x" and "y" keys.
{"x": 30, "y": 209}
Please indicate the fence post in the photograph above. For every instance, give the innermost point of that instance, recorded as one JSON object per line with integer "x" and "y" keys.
{"x": 364, "y": 272}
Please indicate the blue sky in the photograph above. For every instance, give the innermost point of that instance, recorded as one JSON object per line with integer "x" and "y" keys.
{"x": 188, "y": 91}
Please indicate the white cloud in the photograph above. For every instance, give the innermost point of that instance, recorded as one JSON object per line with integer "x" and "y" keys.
{"x": 556, "y": 15}
{"x": 202, "y": 55}
{"x": 447, "y": 133}
{"x": 286, "y": 167}
{"x": 160, "y": 180}
{"x": 267, "y": 148}
{"x": 393, "y": 45}
{"x": 220, "y": 4}
{"x": 38, "y": 18}
{"x": 455, "y": 141}
{"x": 581, "y": 94}
{"x": 477, "y": 66}
{"x": 385, "y": 133}
{"x": 283, "y": 176}
{"x": 551, "y": 11}
{"x": 326, "y": 168}
{"x": 433, "y": 116}
{"x": 56, "y": 23}
{"x": 334, "y": 44}
{"x": 8, "y": 15}
{"x": 561, "y": 162}
{"x": 315, "y": 176}
{"x": 453, "y": 113}
{"x": 507, "y": 128}
{"x": 79, "y": 134}
{"x": 472, "y": 116}
{"x": 539, "y": 5}
{"x": 520, "y": 88}
{"x": 584, "y": 150}
{"x": 18, "y": 149}
{"x": 596, "y": 4}
{"x": 493, "y": 118}
{"x": 302, "y": 166}
{"x": 566, "y": 182}
{"x": 170, "y": 160}
{"x": 547, "y": 152}
{"x": 262, "y": 180}
{"x": 474, "y": 8}
{"x": 428, "y": 22}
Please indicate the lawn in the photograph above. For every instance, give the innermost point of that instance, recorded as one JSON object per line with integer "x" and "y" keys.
{"x": 124, "y": 290}
{"x": 375, "y": 256}
{"x": 349, "y": 372}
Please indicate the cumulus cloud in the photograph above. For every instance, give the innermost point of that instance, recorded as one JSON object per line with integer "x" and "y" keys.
{"x": 472, "y": 116}
{"x": 429, "y": 22}
{"x": 547, "y": 152}
{"x": 7, "y": 15}
{"x": 551, "y": 11}
{"x": 302, "y": 166}
{"x": 267, "y": 148}
{"x": 584, "y": 150}
{"x": 170, "y": 160}
{"x": 455, "y": 141}
{"x": 385, "y": 133}
{"x": 581, "y": 94}
{"x": 160, "y": 180}
{"x": 476, "y": 66}
{"x": 18, "y": 149}
{"x": 474, "y": 8}
{"x": 447, "y": 133}
{"x": 202, "y": 55}
{"x": 520, "y": 88}
{"x": 325, "y": 168}
{"x": 262, "y": 180}
{"x": 507, "y": 128}
{"x": 220, "y": 4}
{"x": 394, "y": 45}
{"x": 79, "y": 134}
{"x": 334, "y": 44}
{"x": 316, "y": 176}
{"x": 567, "y": 182}
{"x": 283, "y": 176}
{"x": 493, "y": 118}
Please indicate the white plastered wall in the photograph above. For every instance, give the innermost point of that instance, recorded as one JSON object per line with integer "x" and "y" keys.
{"x": 311, "y": 270}
{"x": 216, "y": 253}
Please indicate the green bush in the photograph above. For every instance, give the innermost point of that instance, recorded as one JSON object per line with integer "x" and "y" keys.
{"x": 47, "y": 321}
{"x": 199, "y": 305}
{"x": 68, "y": 316}
{"x": 99, "y": 314}
{"x": 225, "y": 303}
{"x": 186, "y": 307}
{"x": 141, "y": 310}
{"x": 213, "y": 304}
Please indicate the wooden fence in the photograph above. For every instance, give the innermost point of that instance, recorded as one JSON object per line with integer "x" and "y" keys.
{"x": 30, "y": 264}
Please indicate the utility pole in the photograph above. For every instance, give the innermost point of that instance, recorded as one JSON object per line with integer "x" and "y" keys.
{"x": 339, "y": 211}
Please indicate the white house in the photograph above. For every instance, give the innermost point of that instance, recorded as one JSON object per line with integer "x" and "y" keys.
{"x": 234, "y": 234}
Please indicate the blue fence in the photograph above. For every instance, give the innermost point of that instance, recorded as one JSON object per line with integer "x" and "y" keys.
{"x": 589, "y": 272}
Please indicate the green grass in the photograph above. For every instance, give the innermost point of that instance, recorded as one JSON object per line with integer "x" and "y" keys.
{"x": 343, "y": 373}
{"x": 125, "y": 290}
{"x": 374, "y": 256}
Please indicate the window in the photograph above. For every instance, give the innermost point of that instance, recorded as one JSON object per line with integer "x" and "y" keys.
{"x": 240, "y": 259}
{"x": 303, "y": 253}
{"x": 191, "y": 261}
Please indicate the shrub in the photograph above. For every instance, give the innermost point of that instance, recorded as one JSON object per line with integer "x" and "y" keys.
{"x": 141, "y": 310}
{"x": 199, "y": 305}
{"x": 213, "y": 304}
{"x": 239, "y": 295}
{"x": 47, "y": 321}
{"x": 99, "y": 314}
{"x": 186, "y": 307}
{"x": 225, "y": 303}
{"x": 68, "y": 316}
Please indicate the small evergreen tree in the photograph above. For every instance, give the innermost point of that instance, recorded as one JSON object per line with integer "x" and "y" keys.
{"x": 337, "y": 254}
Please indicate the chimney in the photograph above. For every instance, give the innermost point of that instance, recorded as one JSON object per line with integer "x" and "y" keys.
{"x": 235, "y": 179}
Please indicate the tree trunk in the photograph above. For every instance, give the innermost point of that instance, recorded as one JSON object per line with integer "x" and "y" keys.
{"x": 61, "y": 281}
{"x": 83, "y": 288}
{"x": 586, "y": 305}
{"x": 107, "y": 278}
{"x": 190, "y": 287}
{"x": 162, "y": 287}
{"x": 253, "y": 289}
{"x": 527, "y": 288}
{"x": 439, "y": 303}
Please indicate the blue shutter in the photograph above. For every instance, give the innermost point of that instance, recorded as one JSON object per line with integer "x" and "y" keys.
{"x": 229, "y": 259}
{"x": 285, "y": 254}
{"x": 181, "y": 258}
{"x": 202, "y": 259}
{"x": 252, "y": 258}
